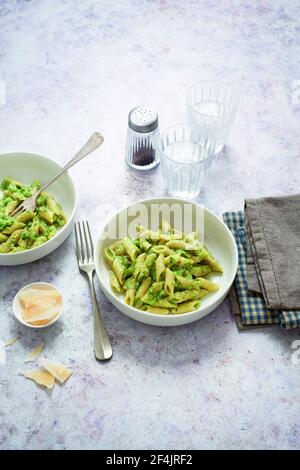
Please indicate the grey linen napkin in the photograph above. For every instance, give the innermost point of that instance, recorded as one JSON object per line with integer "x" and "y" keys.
{"x": 273, "y": 250}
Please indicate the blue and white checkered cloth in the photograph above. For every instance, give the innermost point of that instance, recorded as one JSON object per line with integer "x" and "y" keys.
{"x": 253, "y": 309}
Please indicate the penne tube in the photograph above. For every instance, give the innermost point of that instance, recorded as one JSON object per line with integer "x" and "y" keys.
{"x": 181, "y": 244}
{"x": 159, "y": 267}
{"x": 202, "y": 293}
{"x": 119, "y": 249}
{"x": 10, "y": 207}
{"x": 164, "y": 303}
{"x": 169, "y": 282}
{"x": 4, "y": 248}
{"x": 185, "y": 283}
{"x": 130, "y": 296}
{"x": 208, "y": 258}
{"x": 206, "y": 284}
{"x": 47, "y": 215}
{"x": 158, "y": 287}
{"x": 130, "y": 248}
{"x": 185, "y": 295}
{"x": 146, "y": 268}
{"x": 39, "y": 241}
{"x": 162, "y": 249}
{"x": 177, "y": 260}
{"x": 52, "y": 206}
{"x": 158, "y": 310}
{"x": 139, "y": 265}
{"x": 34, "y": 229}
{"x": 200, "y": 270}
{"x": 3, "y": 237}
{"x": 144, "y": 244}
{"x": 13, "y": 227}
{"x": 119, "y": 269}
{"x": 143, "y": 288}
{"x": 13, "y": 239}
{"x": 109, "y": 255}
{"x": 25, "y": 217}
{"x": 186, "y": 307}
{"x": 150, "y": 235}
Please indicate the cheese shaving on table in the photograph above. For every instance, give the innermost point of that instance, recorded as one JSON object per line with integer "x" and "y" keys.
{"x": 34, "y": 354}
{"x": 40, "y": 377}
{"x": 59, "y": 371}
{"x": 11, "y": 341}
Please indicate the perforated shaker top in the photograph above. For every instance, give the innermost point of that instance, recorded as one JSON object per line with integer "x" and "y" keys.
{"x": 143, "y": 119}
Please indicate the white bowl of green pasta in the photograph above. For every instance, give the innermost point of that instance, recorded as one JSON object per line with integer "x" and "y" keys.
{"x": 33, "y": 234}
{"x": 162, "y": 274}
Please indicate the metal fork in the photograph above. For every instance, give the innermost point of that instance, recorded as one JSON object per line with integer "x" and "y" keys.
{"x": 94, "y": 142}
{"x": 85, "y": 258}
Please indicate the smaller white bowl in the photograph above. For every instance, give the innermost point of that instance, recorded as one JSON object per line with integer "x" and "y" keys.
{"x": 17, "y": 308}
{"x": 27, "y": 167}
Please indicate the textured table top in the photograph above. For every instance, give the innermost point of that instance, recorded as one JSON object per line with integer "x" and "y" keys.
{"x": 74, "y": 67}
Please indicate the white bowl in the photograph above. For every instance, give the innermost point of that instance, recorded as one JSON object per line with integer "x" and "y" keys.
{"x": 26, "y": 167}
{"x": 17, "y": 308}
{"x": 218, "y": 239}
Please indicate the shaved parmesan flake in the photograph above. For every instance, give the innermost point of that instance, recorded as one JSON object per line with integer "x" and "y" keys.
{"x": 11, "y": 341}
{"x": 59, "y": 371}
{"x": 34, "y": 354}
{"x": 43, "y": 315}
{"x": 40, "y": 322}
{"x": 31, "y": 297}
{"x": 40, "y": 377}
{"x": 40, "y": 305}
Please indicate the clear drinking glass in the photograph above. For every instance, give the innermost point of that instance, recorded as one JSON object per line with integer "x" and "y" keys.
{"x": 184, "y": 160}
{"x": 211, "y": 109}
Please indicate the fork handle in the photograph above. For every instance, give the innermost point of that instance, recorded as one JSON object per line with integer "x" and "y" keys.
{"x": 102, "y": 346}
{"x": 92, "y": 144}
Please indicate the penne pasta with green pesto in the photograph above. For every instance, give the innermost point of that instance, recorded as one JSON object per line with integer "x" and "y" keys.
{"x": 31, "y": 228}
{"x": 162, "y": 272}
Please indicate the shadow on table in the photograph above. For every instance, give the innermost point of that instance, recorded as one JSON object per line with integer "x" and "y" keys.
{"x": 210, "y": 339}
{"x": 167, "y": 346}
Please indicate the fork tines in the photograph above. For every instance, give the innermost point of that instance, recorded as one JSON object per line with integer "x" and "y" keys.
{"x": 84, "y": 243}
{"x": 18, "y": 211}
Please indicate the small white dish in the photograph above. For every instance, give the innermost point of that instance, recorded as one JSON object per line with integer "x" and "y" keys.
{"x": 218, "y": 239}
{"x": 27, "y": 167}
{"x": 17, "y": 307}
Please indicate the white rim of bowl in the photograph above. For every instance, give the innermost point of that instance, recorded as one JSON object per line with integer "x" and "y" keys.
{"x": 31, "y": 250}
{"x": 155, "y": 315}
{"x": 27, "y": 286}
{"x": 227, "y": 85}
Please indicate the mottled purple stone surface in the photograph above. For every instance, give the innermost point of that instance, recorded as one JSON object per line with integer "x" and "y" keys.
{"x": 74, "y": 67}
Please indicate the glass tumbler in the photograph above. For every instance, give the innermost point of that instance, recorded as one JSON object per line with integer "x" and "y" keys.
{"x": 211, "y": 109}
{"x": 185, "y": 160}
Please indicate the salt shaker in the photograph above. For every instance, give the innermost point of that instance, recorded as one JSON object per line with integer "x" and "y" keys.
{"x": 142, "y": 138}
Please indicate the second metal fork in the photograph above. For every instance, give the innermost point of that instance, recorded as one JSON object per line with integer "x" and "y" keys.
{"x": 30, "y": 203}
{"x": 85, "y": 258}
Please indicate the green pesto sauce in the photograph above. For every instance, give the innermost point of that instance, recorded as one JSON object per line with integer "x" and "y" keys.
{"x": 5, "y": 221}
{"x": 37, "y": 230}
